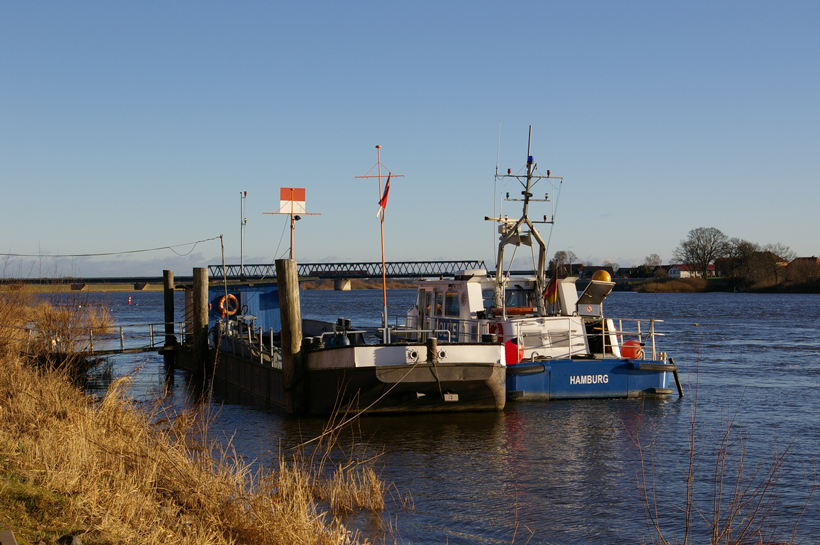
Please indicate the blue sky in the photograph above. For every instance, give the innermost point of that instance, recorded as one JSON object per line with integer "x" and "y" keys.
{"x": 126, "y": 126}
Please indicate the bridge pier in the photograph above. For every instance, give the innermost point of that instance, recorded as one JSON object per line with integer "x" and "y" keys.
{"x": 341, "y": 284}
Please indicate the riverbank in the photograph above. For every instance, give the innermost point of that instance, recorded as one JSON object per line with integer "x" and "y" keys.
{"x": 699, "y": 285}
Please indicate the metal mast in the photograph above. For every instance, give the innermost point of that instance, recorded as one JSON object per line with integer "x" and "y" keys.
{"x": 511, "y": 231}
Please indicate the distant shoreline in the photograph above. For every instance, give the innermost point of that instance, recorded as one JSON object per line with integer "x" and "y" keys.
{"x": 58, "y": 287}
{"x": 718, "y": 285}
{"x": 686, "y": 285}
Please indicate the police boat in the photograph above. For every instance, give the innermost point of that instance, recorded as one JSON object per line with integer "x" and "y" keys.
{"x": 557, "y": 344}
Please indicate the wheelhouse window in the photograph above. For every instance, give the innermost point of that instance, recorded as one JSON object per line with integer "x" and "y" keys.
{"x": 439, "y": 303}
{"x": 451, "y": 304}
{"x": 487, "y": 298}
{"x": 519, "y": 298}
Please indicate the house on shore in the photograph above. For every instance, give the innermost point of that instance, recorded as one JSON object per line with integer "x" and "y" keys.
{"x": 687, "y": 271}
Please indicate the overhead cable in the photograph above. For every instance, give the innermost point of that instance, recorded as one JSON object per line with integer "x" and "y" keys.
{"x": 119, "y": 253}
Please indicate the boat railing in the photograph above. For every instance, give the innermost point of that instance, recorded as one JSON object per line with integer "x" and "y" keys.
{"x": 401, "y": 332}
{"x": 464, "y": 331}
{"x": 575, "y": 340}
{"x": 639, "y": 329}
{"x": 247, "y": 341}
{"x": 633, "y": 338}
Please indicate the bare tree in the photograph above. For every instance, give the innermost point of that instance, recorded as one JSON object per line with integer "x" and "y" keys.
{"x": 739, "y": 261}
{"x": 611, "y": 265}
{"x": 558, "y": 261}
{"x": 701, "y": 247}
{"x": 571, "y": 258}
{"x": 653, "y": 260}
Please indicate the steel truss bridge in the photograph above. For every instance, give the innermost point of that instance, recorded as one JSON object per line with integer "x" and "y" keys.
{"x": 365, "y": 269}
{"x": 334, "y": 271}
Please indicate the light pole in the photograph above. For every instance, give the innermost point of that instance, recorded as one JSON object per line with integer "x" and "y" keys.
{"x": 242, "y": 222}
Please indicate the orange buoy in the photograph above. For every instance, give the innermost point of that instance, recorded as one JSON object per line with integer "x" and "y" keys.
{"x": 129, "y": 299}
{"x": 632, "y": 350}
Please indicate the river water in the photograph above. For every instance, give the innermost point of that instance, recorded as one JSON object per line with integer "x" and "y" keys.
{"x": 568, "y": 471}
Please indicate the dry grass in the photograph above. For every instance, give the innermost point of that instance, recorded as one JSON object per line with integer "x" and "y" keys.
{"x": 121, "y": 474}
{"x": 684, "y": 285}
{"x": 114, "y": 472}
{"x": 51, "y": 331}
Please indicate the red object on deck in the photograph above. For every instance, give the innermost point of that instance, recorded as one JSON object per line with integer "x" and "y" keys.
{"x": 631, "y": 350}
{"x": 513, "y": 352}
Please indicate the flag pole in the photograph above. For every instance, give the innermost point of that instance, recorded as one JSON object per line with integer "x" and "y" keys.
{"x": 385, "y": 337}
{"x": 382, "y": 199}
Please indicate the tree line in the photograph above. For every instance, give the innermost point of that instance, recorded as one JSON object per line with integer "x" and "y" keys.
{"x": 743, "y": 262}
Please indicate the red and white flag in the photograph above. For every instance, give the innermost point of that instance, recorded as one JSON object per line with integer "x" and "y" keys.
{"x": 383, "y": 200}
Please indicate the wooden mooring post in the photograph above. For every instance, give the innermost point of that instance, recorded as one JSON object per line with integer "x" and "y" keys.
{"x": 170, "y": 338}
{"x": 200, "y": 326}
{"x": 290, "y": 313}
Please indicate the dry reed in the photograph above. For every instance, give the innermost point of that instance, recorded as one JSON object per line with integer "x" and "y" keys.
{"x": 118, "y": 473}
{"x": 728, "y": 498}
{"x": 686, "y": 285}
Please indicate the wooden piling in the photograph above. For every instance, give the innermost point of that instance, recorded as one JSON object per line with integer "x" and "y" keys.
{"x": 290, "y": 314}
{"x": 200, "y": 319}
{"x": 170, "y": 338}
{"x": 169, "y": 286}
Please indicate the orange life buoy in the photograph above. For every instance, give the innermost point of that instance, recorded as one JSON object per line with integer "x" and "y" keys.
{"x": 228, "y": 305}
{"x": 495, "y": 329}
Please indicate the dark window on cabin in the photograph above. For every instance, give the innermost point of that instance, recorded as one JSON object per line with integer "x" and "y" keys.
{"x": 439, "y": 303}
{"x": 518, "y": 298}
{"x": 451, "y": 304}
{"x": 487, "y": 297}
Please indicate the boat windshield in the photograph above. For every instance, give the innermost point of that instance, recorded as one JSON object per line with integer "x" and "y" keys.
{"x": 518, "y": 298}
{"x": 487, "y": 298}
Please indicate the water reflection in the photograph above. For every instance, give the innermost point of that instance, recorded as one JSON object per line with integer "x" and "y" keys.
{"x": 557, "y": 472}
